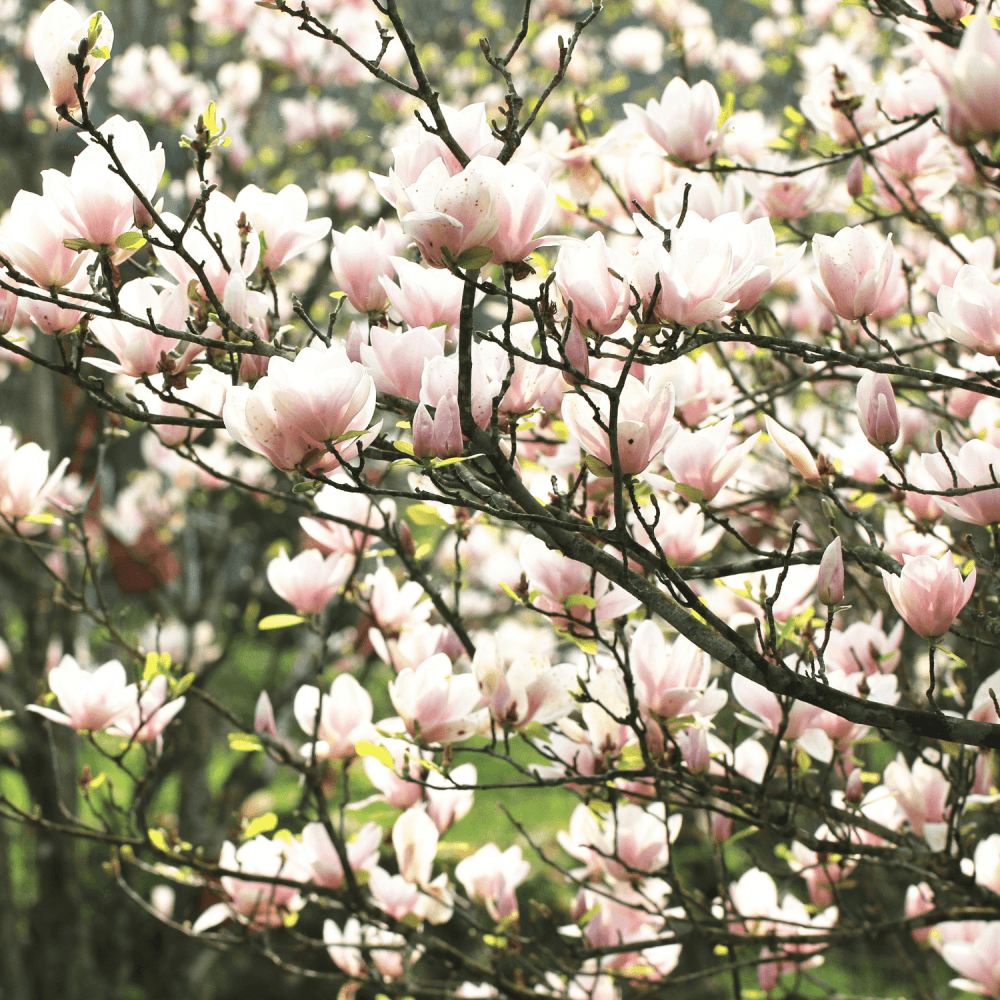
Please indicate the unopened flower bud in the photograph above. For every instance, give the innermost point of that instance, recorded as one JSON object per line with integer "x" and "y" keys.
{"x": 877, "y": 411}
{"x": 263, "y": 716}
{"x": 854, "y": 792}
{"x": 830, "y": 585}
{"x": 856, "y": 178}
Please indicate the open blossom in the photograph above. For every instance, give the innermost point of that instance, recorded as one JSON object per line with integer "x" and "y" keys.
{"x": 299, "y": 406}
{"x": 674, "y": 681}
{"x": 148, "y": 714}
{"x": 929, "y": 593}
{"x": 645, "y": 424}
{"x": 424, "y": 296}
{"x": 685, "y": 121}
{"x": 360, "y": 258}
{"x": 281, "y": 220}
{"x": 308, "y": 581}
{"x": 451, "y": 215}
{"x": 88, "y": 699}
{"x": 600, "y": 301}
{"x": 492, "y": 875}
{"x": 701, "y": 464}
{"x": 528, "y": 689}
{"x": 969, "y": 311}
{"x": 978, "y": 960}
{"x": 32, "y": 240}
{"x": 316, "y": 854}
{"x": 396, "y": 361}
{"x": 524, "y": 203}
{"x": 345, "y": 948}
{"x": 682, "y": 535}
{"x": 976, "y": 464}
{"x": 141, "y": 352}
{"x": 25, "y": 484}
{"x": 58, "y": 35}
{"x": 435, "y": 704}
{"x": 262, "y": 904}
{"x": 337, "y": 720}
{"x": 921, "y": 792}
{"x": 330, "y": 536}
{"x": 560, "y": 579}
{"x": 853, "y": 269}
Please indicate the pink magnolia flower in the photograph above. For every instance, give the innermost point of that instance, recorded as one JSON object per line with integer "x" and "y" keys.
{"x": 929, "y": 593}
{"x": 672, "y": 682}
{"x": 58, "y": 34}
{"x": 32, "y": 240}
{"x": 415, "y": 839}
{"x": 261, "y": 904}
{"x": 206, "y": 391}
{"x": 439, "y": 436}
{"x": 830, "y": 582}
{"x": 700, "y": 462}
{"x": 396, "y": 361}
{"x": 50, "y": 317}
{"x": 943, "y": 264}
{"x": 280, "y": 219}
{"x": 8, "y": 310}
{"x": 560, "y": 579}
{"x": 921, "y": 793}
{"x": 89, "y": 700}
{"x": 141, "y": 352}
{"x": 424, "y": 296}
{"x": 528, "y": 689}
{"x": 263, "y": 716}
{"x": 794, "y": 449}
{"x": 330, "y": 536}
{"x": 440, "y": 378}
{"x": 26, "y": 488}
{"x": 645, "y": 424}
{"x": 360, "y": 258}
{"x": 394, "y": 607}
{"x": 445, "y": 803}
{"x": 344, "y": 717}
{"x": 784, "y": 197}
{"x": 877, "y": 411}
{"x": 864, "y": 646}
{"x": 977, "y": 960}
{"x": 345, "y": 946}
{"x": 854, "y": 270}
{"x": 308, "y": 581}
{"x": 803, "y": 718}
{"x": 492, "y": 875}
{"x": 685, "y": 121}
{"x": 316, "y": 854}
{"x": 451, "y": 215}
{"x": 969, "y": 311}
{"x": 524, "y": 203}
{"x": 976, "y": 464}
{"x": 600, "y": 301}
{"x": 299, "y": 406}
{"x": 682, "y": 535}
{"x": 148, "y": 714}
{"x": 435, "y": 704}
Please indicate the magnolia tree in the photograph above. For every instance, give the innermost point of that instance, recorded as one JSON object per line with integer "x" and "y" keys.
{"x": 551, "y": 549}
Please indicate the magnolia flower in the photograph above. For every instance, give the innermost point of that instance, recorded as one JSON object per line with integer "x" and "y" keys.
{"x": 345, "y": 947}
{"x": 89, "y": 700}
{"x": 435, "y": 704}
{"x": 308, "y": 581}
{"x": 877, "y": 412}
{"x": 32, "y": 240}
{"x": 794, "y": 449}
{"x": 700, "y": 463}
{"x": 360, "y": 259}
{"x": 424, "y": 296}
{"x": 26, "y": 488}
{"x": 976, "y": 464}
{"x": 280, "y": 219}
{"x": 396, "y": 361}
{"x": 148, "y": 714}
{"x": 492, "y": 875}
{"x": 300, "y": 407}
{"x": 929, "y": 593}
{"x": 830, "y": 582}
{"x": 439, "y": 436}
{"x": 61, "y": 32}
{"x": 685, "y": 121}
{"x": 600, "y": 300}
{"x": 644, "y": 426}
{"x": 316, "y": 854}
{"x": 854, "y": 270}
{"x": 529, "y": 689}
{"x": 337, "y": 721}
{"x": 969, "y": 311}
{"x": 921, "y": 793}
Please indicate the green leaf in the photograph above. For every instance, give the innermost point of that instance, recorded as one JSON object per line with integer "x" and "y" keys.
{"x": 727, "y": 109}
{"x": 424, "y": 515}
{"x": 475, "y": 258}
{"x": 94, "y": 28}
{"x": 365, "y": 748}
{"x": 156, "y": 664}
{"x": 306, "y": 487}
{"x": 509, "y": 591}
{"x": 262, "y": 824}
{"x": 157, "y": 839}
{"x": 404, "y": 446}
{"x": 632, "y": 756}
{"x": 44, "y": 518}
{"x": 279, "y": 621}
{"x": 597, "y": 467}
{"x": 100, "y": 53}
{"x": 588, "y": 646}
{"x": 130, "y": 241}
{"x": 244, "y": 743}
{"x": 208, "y": 118}
{"x": 575, "y": 600}
{"x": 178, "y": 688}
{"x": 588, "y": 916}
